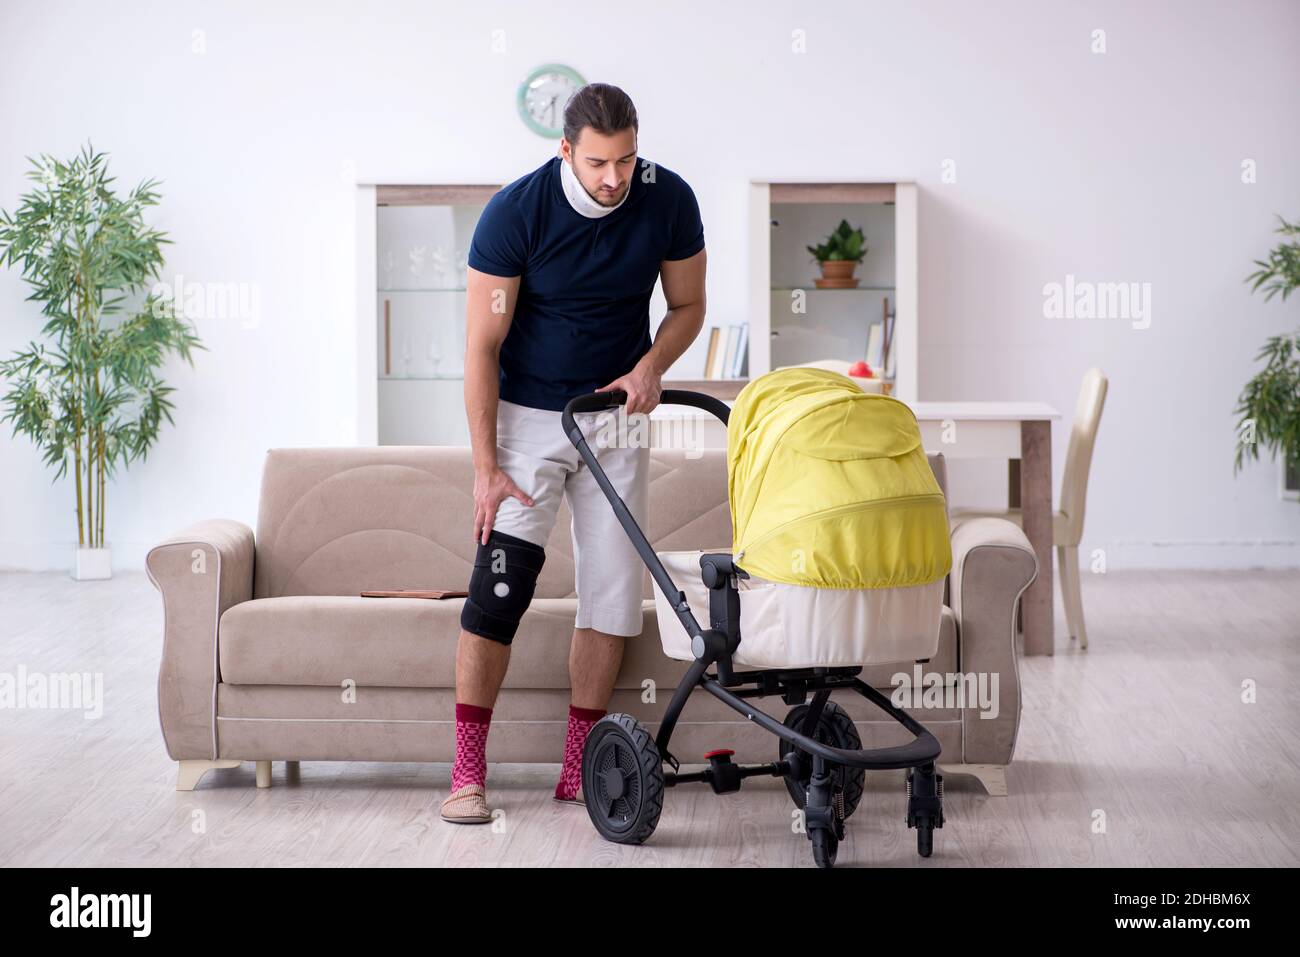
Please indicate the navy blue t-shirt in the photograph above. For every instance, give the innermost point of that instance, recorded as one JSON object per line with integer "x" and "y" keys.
{"x": 582, "y": 318}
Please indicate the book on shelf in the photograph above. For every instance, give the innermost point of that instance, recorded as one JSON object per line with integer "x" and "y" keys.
{"x": 876, "y": 345}
{"x": 710, "y": 358}
{"x": 741, "y": 363}
{"x": 727, "y": 356}
{"x": 729, "y": 363}
{"x": 887, "y": 346}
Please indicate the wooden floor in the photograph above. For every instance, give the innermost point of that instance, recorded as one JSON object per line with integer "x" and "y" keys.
{"x": 1146, "y": 733}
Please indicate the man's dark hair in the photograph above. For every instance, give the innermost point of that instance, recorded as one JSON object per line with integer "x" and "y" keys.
{"x": 605, "y": 108}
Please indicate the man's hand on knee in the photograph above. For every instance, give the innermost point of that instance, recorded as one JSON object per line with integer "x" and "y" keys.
{"x": 491, "y": 487}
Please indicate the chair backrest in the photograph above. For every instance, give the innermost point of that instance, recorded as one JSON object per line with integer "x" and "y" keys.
{"x": 1078, "y": 457}
{"x": 337, "y": 521}
{"x": 939, "y": 466}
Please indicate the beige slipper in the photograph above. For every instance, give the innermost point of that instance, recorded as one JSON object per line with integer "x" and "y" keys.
{"x": 467, "y": 806}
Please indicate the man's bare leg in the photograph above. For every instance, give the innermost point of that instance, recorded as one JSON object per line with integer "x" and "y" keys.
{"x": 594, "y": 660}
{"x": 480, "y": 669}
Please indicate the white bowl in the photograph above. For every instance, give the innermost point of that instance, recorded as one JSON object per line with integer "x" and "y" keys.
{"x": 873, "y": 384}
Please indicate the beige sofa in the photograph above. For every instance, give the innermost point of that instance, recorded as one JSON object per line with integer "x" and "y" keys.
{"x": 269, "y": 653}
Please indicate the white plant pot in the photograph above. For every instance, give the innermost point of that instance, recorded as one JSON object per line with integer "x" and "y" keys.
{"x": 93, "y": 563}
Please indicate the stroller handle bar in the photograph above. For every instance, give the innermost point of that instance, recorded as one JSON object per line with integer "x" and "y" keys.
{"x": 598, "y": 402}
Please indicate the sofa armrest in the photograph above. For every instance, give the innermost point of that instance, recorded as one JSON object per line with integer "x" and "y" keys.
{"x": 201, "y": 571}
{"x": 992, "y": 564}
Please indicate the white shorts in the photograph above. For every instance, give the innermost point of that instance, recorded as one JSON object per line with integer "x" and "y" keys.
{"x": 534, "y": 451}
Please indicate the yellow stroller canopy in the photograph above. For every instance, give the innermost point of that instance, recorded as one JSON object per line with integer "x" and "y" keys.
{"x": 830, "y": 487}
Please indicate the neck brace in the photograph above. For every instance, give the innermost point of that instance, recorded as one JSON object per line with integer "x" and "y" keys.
{"x": 580, "y": 199}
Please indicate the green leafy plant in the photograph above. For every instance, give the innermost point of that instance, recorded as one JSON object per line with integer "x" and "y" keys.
{"x": 92, "y": 394}
{"x": 1269, "y": 405}
{"x": 845, "y": 243}
{"x": 1281, "y": 271}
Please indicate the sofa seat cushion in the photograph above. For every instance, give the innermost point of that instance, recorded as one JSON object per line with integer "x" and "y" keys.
{"x": 324, "y": 640}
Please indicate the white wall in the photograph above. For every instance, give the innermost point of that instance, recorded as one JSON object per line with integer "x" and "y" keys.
{"x": 1123, "y": 166}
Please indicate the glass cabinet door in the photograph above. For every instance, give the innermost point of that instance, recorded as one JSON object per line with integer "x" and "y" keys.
{"x": 422, "y": 241}
{"x": 814, "y": 321}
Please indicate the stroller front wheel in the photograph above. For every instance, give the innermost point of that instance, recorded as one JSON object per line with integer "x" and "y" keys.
{"x": 825, "y": 845}
{"x": 924, "y": 805}
{"x": 925, "y": 839}
{"x": 622, "y": 779}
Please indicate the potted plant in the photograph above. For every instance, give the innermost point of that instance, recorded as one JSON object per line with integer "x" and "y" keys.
{"x": 91, "y": 395}
{"x": 838, "y": 256}
{"x": 1269, "y": 404}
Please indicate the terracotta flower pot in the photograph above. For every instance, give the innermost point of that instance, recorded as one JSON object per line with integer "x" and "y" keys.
{"x": 837, "y": 274}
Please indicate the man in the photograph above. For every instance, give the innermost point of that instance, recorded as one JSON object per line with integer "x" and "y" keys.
{"x": 561, "y": 269}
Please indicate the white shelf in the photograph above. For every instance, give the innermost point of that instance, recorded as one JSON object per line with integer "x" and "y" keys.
{"x": 819, "y": 289}
{"x": 397, "y": 289}
{"x": 420, "y": 378}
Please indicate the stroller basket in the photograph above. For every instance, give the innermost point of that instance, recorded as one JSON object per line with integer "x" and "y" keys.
{"x": 805, "y": 628}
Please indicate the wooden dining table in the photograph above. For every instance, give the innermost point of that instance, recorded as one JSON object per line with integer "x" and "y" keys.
{"x": 1019, "y": 433}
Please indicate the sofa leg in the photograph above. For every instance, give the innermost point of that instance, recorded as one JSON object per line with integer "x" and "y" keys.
{"x": 992, "y": 776}
{"x": 263, "y": 774}
{"x": 189, "y": 770}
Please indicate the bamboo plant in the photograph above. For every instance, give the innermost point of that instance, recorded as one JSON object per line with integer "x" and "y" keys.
{"x": 91, "y": 395}
{"x": 1269, "y": 405}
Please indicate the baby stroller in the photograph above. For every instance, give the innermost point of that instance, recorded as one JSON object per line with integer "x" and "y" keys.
{"x": 840, "y": 550}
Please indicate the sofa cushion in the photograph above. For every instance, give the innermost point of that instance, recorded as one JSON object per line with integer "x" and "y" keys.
{"x": 325, "y": 640}
{"x": 406, "y": 643}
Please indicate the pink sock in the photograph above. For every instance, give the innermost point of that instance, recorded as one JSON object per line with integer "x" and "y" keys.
{"x": 580, "y": 722}
{"x": 471, "y": 745}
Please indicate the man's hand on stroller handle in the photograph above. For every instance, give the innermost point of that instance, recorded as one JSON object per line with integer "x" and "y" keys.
{"x": 491, "y": 487}
{"x": 642, "y": 386}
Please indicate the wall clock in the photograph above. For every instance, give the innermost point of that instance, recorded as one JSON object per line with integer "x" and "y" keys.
{"x": 543, "y": 95}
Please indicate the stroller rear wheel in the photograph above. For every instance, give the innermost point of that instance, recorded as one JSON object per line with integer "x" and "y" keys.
{"x": 622, "y": 779}
{"x": 837, "y": 729}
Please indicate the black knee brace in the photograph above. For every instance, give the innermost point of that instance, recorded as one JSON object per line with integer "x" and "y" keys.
{"x": 505, "y": 575}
